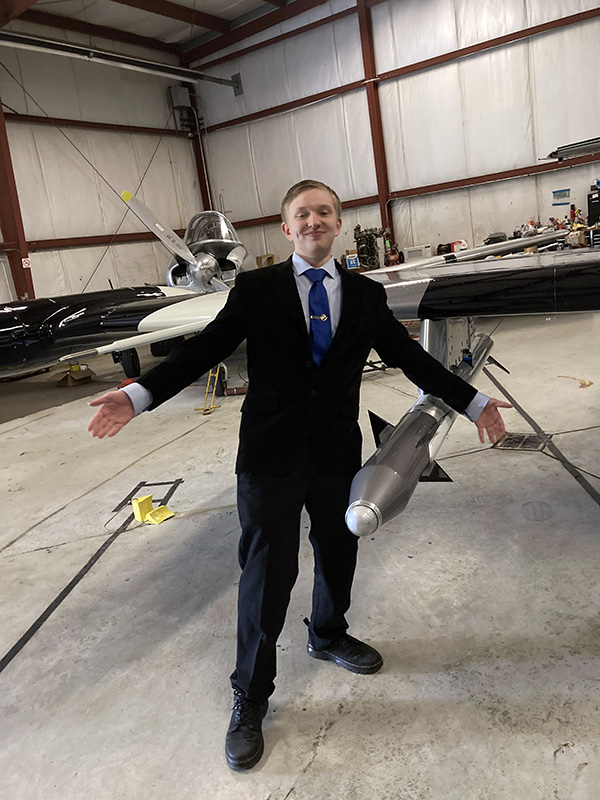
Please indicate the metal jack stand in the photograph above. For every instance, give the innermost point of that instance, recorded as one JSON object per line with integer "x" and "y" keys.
{"x": 216, "y": 385}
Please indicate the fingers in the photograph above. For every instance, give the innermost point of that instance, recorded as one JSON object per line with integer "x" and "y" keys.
{"x": 500, "y": 403}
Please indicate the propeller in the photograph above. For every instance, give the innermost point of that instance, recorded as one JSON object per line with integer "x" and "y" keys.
{"x": 169, "y": 238}
{"x": 203, "y": 270}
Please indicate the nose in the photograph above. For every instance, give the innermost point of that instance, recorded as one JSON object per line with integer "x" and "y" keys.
{"x": 313, "y": 220}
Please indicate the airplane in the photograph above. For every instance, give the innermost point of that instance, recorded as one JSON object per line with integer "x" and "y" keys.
{"x": 445, "y": 293}
{"x": 35, "y": 334}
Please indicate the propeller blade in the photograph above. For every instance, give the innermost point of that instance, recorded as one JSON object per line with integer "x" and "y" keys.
{"x": 169, "y": 238}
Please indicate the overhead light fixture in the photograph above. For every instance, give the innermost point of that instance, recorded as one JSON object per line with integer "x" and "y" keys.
{"x": 585, "y": 148}
{"x": 56, "y": 47}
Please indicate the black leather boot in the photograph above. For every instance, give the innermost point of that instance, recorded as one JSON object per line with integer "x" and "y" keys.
{"x": 244, "y": 744}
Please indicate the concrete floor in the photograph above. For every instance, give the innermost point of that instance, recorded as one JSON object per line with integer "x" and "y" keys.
{"x": 483, "y": 597}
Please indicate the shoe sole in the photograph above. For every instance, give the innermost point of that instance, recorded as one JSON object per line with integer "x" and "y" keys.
{"x": 323, "y": 655}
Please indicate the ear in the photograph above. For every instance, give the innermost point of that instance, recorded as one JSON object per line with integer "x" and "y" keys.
{"x": 286, "y": 231}
{"x": 338, "y": 227}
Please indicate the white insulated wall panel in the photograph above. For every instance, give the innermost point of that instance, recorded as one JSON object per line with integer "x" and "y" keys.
{"x": 253, "y": 165}
{"x": 539, "y": 12}
{"x": 231, "y": 171}
{"x": 423, "y": 124}
{"x": 496, "y": 110}
{"x": 407, "y": 31}
{"x": 74, "y": 270}
{"x": 503, "y": 206}
{"x": 32, "y": 190}
{"x": 61, "y": 195}
{"x": 566, "y": 101}
{"x": 334, "y": 144}
{"x": 6, "y": 282}
{"x": 276, "y": 159}
{"x": 312, "y": 62}
{"x": 488, "y": 19}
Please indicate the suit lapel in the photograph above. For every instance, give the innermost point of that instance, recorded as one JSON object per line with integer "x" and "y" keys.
{"x": 283, "y": 284}
{"x": 350, "y": 298}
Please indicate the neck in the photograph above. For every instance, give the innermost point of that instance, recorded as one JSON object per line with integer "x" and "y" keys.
{"x": 315, "y": 261}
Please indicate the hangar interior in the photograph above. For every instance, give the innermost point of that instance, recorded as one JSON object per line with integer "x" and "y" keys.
{"x": 434, "y": 120}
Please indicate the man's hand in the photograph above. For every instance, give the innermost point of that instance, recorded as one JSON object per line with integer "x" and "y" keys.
{"x": 491, "y": 421}
{"x": 116, "y": 410}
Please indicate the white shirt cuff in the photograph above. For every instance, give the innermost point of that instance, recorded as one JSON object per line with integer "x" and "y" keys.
{"x": 139, "y": 396}
{"x": 476, "y": 406}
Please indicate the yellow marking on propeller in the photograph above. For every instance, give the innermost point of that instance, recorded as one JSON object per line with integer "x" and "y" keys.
{"x": 126, "y": 196}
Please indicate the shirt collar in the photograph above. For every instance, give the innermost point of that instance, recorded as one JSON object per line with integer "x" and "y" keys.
{"x": 300, "y": 265}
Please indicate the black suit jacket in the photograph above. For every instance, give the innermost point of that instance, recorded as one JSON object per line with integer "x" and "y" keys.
{"x": 291, "y": 404}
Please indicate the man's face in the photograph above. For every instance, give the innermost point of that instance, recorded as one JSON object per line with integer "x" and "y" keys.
{"x": 312, "y": 225}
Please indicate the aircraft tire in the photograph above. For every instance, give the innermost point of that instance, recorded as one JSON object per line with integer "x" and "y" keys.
{"x": 130, "y": 361}
{"x": 162, "y": 349}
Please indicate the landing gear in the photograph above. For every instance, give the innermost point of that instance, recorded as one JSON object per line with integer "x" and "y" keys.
{"x": 129, "y": 360}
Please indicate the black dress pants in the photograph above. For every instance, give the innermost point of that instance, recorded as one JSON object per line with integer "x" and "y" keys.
{"x": 269, "y": 509}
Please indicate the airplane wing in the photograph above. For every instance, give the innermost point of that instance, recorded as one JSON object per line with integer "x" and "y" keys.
{"x": 169, "y": 322}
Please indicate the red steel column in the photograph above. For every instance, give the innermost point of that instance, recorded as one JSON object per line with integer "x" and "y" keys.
{"x": 11, "y": 221}
{"x": 371, "y": 79}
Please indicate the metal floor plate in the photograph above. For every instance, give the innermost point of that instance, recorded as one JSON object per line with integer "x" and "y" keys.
{"x": 523, "y": 441}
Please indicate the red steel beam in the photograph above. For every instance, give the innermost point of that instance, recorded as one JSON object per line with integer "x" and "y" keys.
{"x": 11, "y": 9}
{"x": 280, "y": 109}
{"x": 274, "y": 218}
{"x": 409, "y": 68}
{"x": 519, "y": 172}
{"x": 99, "y": 126}
{"x": 11, "y": 221}
{"x": 275, "y": 39}
{"x": 258, "y": 25}
{"x": 381, "y": 171}
{"x": 165, "y": 8}
{"x": 92, "y": 241}
{"x": 102, "y": 31}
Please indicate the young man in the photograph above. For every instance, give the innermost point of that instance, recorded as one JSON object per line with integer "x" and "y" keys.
{"x": 309, "y": 327}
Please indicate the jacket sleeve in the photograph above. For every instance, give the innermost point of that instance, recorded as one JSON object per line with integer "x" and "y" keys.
{"x": 196, "y": 355}
{"x": 397, "y": 349}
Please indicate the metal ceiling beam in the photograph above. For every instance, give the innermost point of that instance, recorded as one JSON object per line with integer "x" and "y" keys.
{"x": 102, "y": 31}
{"x": 60, "y": 122}
{"x": 11, "y": 9}
{"x": 61, "y": 48}
{"x": 289, "y": 11}
{"x": 164, "y": 8}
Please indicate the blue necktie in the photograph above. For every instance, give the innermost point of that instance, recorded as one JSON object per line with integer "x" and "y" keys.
{"x": 318, "y": 309}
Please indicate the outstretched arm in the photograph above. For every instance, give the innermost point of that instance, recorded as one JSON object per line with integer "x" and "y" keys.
{"x": 116, "y": 410}
{"x": 490, "y": 420}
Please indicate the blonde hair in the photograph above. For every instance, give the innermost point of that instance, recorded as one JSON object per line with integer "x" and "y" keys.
{"x": 303, "y": 186}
